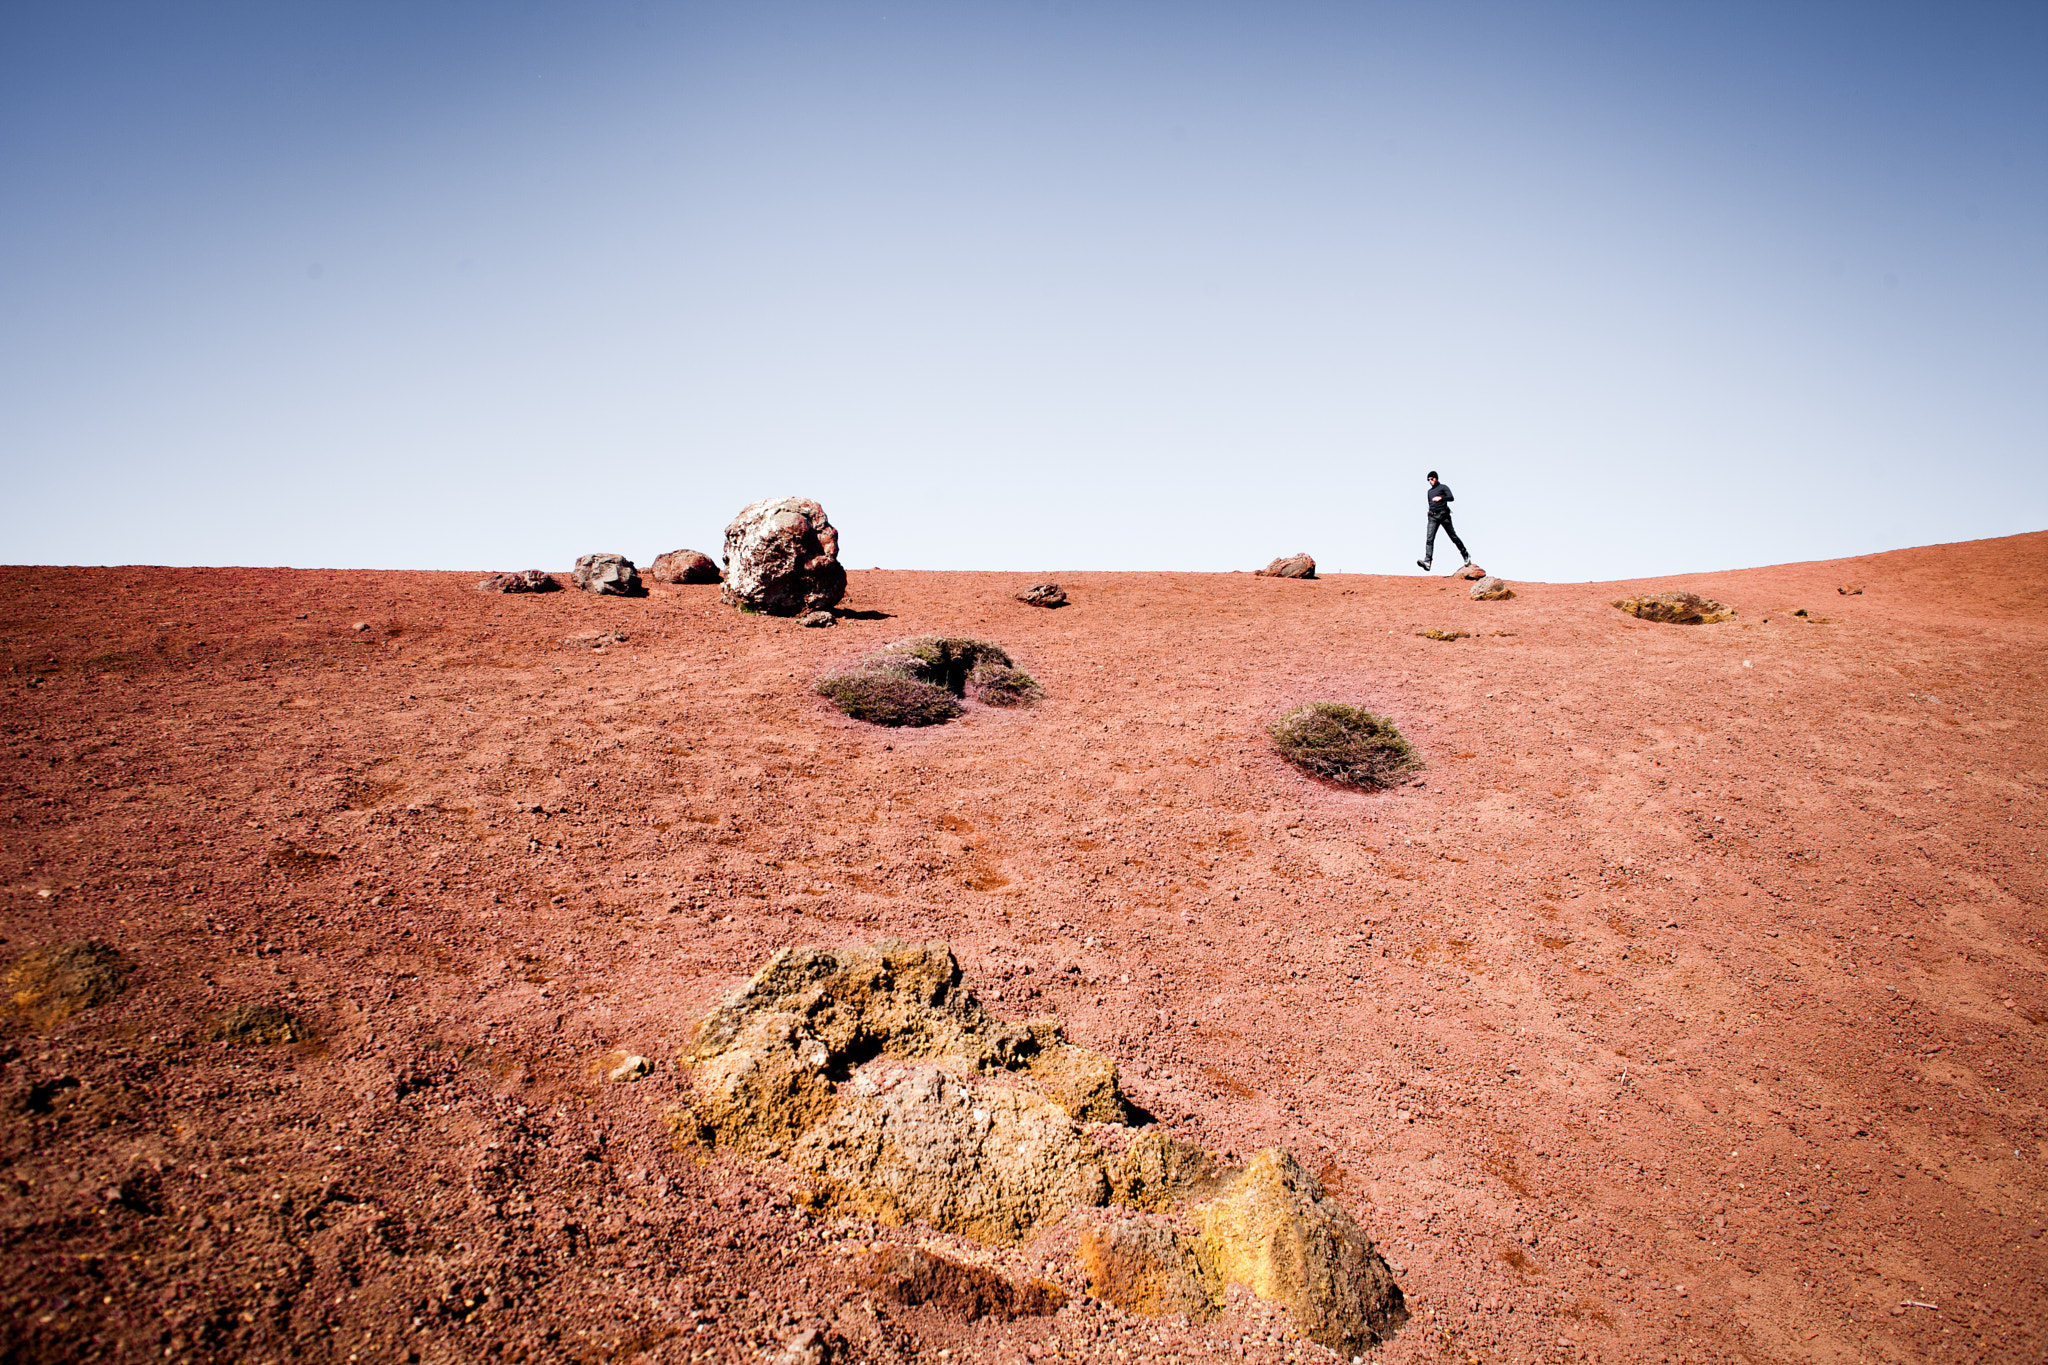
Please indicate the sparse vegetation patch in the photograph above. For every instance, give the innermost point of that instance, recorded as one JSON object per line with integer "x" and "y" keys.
{"x": 923, "y": 680}
{"x": 884, "y": 698}
{"x": 1346, "y": 744}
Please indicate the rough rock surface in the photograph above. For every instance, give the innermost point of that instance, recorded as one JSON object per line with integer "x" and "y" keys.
{"x": 261, "y": 1025}
{"x": 46, "y": 986}
{"x": 782, "y": 557}
{"x": 915, "y": 1276}
{"x": 881, "y": 1078}
{"x": 608, "y": 575}
{"x": 529, "y": 580}
{"x": 684, "y": 566}
{"x": 1294, "y": 566}
{"x": 1043, "y": 595}
{"x": 1279, "y": 1235}
{"x": 1675, "y": 608}
{"x": 1490, "y": 589}
{"x": 817, "y": 620}
{"x": 1472, "y": 573}
{"x": 1147, "y": 1267}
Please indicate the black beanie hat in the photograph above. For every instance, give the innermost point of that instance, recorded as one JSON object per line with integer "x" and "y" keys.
{"x": 1432, "y": 474}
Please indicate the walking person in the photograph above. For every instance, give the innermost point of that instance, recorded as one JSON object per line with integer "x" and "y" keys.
{"x": 1440, "y": 500}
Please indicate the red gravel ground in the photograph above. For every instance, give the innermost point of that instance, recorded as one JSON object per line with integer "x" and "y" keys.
{"x": 1689, "y": 1007}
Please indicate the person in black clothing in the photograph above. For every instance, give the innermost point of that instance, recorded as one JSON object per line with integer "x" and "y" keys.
{"x": 1440, "y": 499}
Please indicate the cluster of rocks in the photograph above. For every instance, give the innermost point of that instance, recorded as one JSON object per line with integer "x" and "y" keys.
{"x": 876, "y": 1074}
{"x": 781, "y": 558}
{"x": 1675, "y": 608}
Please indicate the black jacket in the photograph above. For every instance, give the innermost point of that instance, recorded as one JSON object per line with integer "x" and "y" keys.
{"x": 1440, "y": 499}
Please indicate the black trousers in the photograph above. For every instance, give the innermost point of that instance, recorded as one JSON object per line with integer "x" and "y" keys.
{"x": 1442, "y": 522}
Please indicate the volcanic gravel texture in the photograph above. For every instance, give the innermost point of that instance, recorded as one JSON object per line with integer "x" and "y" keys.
{"x": 1688, "y": 1005}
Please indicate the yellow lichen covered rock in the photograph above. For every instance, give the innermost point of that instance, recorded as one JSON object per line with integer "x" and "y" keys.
{"x": 46, "y": 986}
{"x": 1158, "y": 1171}
{"x": 1276, "y": 1233}
{"x": 985, "y": 1161}
{"x": 1675, "y": 608}
{"x": 876, "y": 1074}
{"x": 1147, "y": 1268}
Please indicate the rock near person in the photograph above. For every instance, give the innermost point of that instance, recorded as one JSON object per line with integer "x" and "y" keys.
{"x": 1440, "y": 500}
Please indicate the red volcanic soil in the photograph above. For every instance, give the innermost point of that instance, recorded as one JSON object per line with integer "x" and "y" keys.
{"x": 1688, "y": 1007}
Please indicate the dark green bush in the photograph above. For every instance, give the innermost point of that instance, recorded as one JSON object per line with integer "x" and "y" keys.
{"x": 921, "y": 681}
{"x": 942, "y": 660}
{"x": 1002, "y": 685}
{"x": 881, "y": 697}
{"x": 1344, "y": 744}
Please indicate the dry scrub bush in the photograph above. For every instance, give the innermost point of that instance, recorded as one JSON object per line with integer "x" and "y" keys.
{"x": 885, "y": 698}
{"x": 1345, "y": 744}
{"x": 921, "y": 681}
{"x": 1003, "y": 685}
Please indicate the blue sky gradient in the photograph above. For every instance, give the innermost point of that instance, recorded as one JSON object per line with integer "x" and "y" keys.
{"x": 1022, "y": 286}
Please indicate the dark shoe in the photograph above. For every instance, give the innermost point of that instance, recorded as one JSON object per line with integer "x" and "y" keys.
{"x": 1422, "y": 564}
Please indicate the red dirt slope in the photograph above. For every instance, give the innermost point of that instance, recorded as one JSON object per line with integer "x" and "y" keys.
{"x": 1689, "y": 1007}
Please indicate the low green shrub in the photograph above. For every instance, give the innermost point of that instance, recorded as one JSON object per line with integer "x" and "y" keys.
{"x": 1346, "y": 744}
{"x": 922, "y": 681}
{"x": 1002, "y": 685}
{"x": 881, "y": 697}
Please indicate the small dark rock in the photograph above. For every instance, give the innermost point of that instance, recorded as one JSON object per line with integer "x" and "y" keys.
{"x": 529, "y": 580}
{"x": 1491, "y": 590}
{"x": 1043, "y": 595}
{"x": 608, "y": 575}
{"x": 1294, "y": 566}
{"x": 685, "y": 566}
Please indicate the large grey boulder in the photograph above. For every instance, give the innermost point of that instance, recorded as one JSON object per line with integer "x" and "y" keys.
{"x": 782, "y": 557}
{"x": 608, "y": 575}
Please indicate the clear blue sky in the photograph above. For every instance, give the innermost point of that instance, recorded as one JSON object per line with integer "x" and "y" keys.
{"x": 1658, "y": 287}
